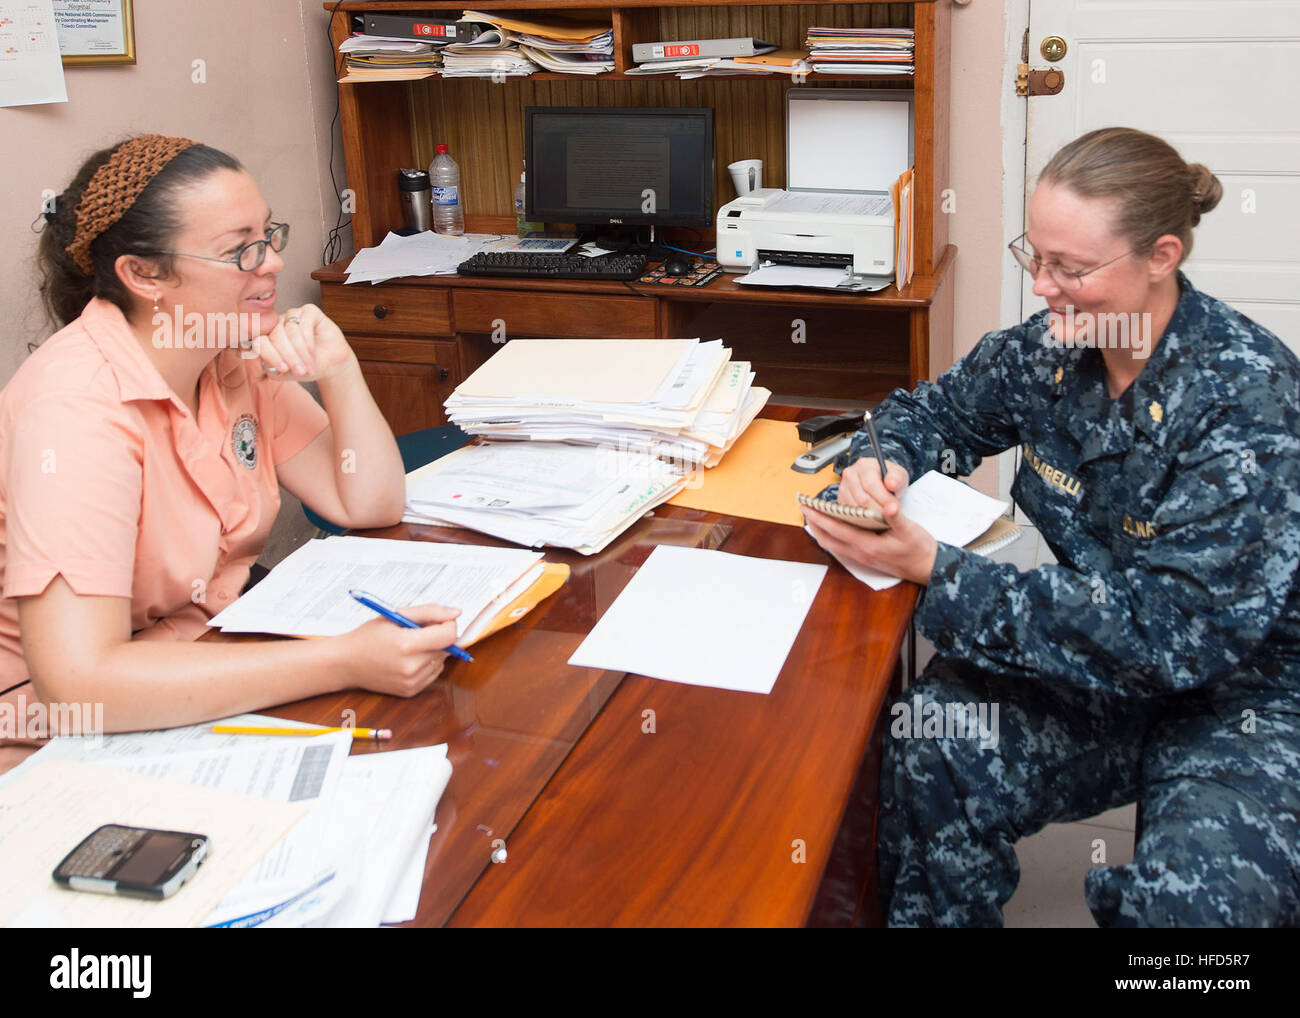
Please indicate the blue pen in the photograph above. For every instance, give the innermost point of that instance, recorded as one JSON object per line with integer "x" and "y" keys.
{"x": 393, "y": 615}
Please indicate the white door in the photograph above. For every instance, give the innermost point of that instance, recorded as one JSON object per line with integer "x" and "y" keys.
{"x": 1220, "y": 81}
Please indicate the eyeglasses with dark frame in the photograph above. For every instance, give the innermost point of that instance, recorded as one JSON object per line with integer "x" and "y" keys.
{"x": 251, "y": 255}
{"x": 1065, "y": 278}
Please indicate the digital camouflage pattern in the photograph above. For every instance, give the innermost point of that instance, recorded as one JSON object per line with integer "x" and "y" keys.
{"x": 1158, "y": 659}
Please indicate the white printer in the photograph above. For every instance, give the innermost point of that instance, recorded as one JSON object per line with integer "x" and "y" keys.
{"x": 845, "y": 148}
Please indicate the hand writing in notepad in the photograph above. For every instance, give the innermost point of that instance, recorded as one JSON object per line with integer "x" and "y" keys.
{"x": 861, "y": 485}
{"x": 905, "y": 549}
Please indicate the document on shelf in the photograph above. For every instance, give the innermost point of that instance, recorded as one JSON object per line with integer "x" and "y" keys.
{"x": 50, "y": 808}
{"x": 421, "y": 254}
{"x": 307, "y": 593}
{"x": 549, "y": 27}
{"x": 949, "y": 510}
{"x": 706, "y": 618}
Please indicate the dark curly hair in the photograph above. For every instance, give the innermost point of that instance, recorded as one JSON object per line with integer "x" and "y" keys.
{"x": 148, "y": 226}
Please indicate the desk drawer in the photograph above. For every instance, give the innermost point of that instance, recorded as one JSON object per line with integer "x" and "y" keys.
{"x": 577, "y": 316}
{"x": 405, "y": 310}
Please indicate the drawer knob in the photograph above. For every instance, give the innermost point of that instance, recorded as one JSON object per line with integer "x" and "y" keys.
{"x": 443, "y": 374}
{"x": 381, "y": 310}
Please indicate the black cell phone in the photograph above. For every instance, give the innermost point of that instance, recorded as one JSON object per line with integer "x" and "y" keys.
{"x": 137, "y": 861}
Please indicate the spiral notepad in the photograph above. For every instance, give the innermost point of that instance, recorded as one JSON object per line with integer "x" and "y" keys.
{"x": 858, "y": 515}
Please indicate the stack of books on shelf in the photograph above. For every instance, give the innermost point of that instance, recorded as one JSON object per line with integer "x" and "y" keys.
{"x": 861, "y": 50}
{"x": 583, "y": 437}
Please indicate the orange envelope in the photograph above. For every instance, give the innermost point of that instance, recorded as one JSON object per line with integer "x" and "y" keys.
{"x": 754, "y": 479}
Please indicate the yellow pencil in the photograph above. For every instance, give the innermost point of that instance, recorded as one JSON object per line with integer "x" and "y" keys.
{"x": 376, "y": 734}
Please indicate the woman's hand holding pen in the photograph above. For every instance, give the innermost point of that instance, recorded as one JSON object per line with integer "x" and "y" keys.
{"x": 860, "y": 484}
{"x": 401, "y": 662}
{"x": 905, "y": 549}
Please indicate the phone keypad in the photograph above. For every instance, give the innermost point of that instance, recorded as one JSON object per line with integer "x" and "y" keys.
{"x": 105, "y": 849}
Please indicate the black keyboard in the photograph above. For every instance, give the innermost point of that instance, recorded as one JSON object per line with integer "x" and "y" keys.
{"x": 553, "y": 266}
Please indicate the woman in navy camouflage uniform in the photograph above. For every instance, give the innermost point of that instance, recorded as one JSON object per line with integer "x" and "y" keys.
{"x": 1159, "y": 659}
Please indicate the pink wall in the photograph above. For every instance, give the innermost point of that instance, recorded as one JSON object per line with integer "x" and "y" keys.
{"x": 268, "y": 100}
{"x": 269, "y": 97}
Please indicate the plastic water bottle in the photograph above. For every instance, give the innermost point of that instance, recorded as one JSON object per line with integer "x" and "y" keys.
{"x": 444, "y": 177}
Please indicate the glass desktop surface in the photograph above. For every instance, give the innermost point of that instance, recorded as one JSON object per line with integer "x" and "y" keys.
{"x": 511, "y": 716}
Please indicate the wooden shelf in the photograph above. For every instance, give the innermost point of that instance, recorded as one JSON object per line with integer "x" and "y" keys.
{"x": 860, "y": 346}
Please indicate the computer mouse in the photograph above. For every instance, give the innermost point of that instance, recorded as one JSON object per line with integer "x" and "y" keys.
{"x": 678, "y": 265}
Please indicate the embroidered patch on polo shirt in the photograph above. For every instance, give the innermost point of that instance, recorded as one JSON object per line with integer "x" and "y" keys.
{"x": 243, "y": 440}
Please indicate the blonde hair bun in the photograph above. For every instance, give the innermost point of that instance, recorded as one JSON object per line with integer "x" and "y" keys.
{"x": 1206, "y": 190}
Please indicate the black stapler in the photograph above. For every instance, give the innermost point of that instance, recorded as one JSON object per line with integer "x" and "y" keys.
{"x": 827, "y": 436}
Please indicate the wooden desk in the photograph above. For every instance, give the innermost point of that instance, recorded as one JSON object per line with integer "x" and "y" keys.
{"x": 724, "y": 815}
{"x": 418, "y": 338}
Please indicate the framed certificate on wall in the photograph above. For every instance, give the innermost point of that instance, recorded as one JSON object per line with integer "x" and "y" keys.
{"x": 95, "y": 32}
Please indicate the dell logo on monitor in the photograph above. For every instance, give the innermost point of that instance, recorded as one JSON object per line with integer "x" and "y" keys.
{"x": 613, "y": 220}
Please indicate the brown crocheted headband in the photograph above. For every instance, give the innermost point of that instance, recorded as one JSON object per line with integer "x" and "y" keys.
{"x": 116, "y": 185}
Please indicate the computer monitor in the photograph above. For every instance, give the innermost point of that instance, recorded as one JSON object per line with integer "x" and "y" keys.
{"x": 619, "y": 166}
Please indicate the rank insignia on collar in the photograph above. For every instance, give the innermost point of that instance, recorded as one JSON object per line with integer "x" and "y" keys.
{"x": 1060, "y": 373}
{"x": 1157, "y": 412}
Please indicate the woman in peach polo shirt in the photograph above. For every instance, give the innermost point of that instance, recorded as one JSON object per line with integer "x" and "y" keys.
{"x": 141, "y": 456}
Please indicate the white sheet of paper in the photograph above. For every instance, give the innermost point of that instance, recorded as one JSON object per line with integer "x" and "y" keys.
{"x": 31, "y": 67}
{"x": 49, "y": 809}
{"x": 405, "y": 902}
{"x": 707, "y": 618}
{"x": 819, "y": 203}
{"x": 386, "y": 802}
{"x": 952, "y": 512}
{"x": 807, "y": 275}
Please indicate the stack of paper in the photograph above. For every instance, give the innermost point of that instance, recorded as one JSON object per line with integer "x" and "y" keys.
{"x": 48, "y": 805}
{"x": 356, "y": 858}
{"x": 861, "y": 50}
{"x": 566, "y": 61}
{"x": 306, "y": 594}
{"x": 686, "y": 64}
{"x": 680, "y": 399}
{"x": 422, "y": 254}
{"x": 375, "y": 58}
{"x": 519, "y": 46}
{"x": 731, "y": 67}
{"x": 491, "y": 55}
{"x": 541, "y": 493}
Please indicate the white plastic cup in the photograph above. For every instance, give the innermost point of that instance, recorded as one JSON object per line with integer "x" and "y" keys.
{"x": 746, "y": 175}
